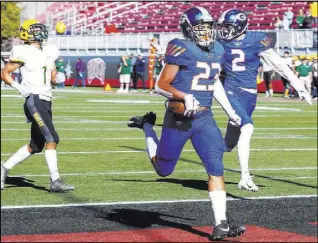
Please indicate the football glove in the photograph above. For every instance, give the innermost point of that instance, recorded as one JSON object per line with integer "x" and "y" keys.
{"x": 304, "y": 95}
{"x": 191, "y": 105}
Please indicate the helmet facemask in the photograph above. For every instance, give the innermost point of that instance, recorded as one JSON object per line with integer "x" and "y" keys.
{"x": 226, "y": 31}
{"x": 37, "y": 33}
{"x": 204, "y": 34}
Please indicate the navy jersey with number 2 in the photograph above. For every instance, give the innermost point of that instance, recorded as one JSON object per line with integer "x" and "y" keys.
{"x": 240, "y": 64}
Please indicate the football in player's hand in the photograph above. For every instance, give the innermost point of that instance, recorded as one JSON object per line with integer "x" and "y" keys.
{"x": 176, "y": 106}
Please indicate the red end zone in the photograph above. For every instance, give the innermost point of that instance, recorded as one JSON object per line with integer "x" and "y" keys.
{"x": 253, "y": 234}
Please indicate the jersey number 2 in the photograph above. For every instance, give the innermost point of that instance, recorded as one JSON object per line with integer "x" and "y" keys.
{"x": 236, "y": 60}
{"x": 205, "y": 75}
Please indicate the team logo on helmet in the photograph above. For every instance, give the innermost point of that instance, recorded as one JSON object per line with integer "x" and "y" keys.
{"x": 231, "y": 24}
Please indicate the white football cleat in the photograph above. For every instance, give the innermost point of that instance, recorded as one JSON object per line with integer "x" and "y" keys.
{"x": 247, "y": 184}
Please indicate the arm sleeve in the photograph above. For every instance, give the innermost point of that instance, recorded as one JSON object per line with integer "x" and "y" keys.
{"x": 277, "y": 63}
{"x": 177, "y": 54}
{"x": 220, "y": 96}
{"x": 16, "y": 55}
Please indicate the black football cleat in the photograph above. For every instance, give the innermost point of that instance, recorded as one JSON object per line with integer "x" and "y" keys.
{"x": 139, "y": 121}
{"x": 224, "y": 230}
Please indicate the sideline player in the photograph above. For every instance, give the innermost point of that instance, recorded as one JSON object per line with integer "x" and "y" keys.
{"x": 243, "y": 50}
{"x": 191, "y": 76}
{"x": 36, "y": 62}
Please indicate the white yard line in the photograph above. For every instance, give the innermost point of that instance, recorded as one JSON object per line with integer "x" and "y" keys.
{"x": 142, "y": 138}
{"x": 156, "y": 128}
{"x": 177, "y": 171}
{"x": 150, "y": 202}
{"x": 185, "y": 150}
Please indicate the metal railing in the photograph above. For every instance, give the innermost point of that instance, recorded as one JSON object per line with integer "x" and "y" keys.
{"x": 292, "y": 39}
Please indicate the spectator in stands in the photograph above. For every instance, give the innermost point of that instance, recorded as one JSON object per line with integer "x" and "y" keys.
{"x": 267, "y": 75}
{"x": 278, "y": 24}
{"x": 304, "y": 71}
{"x": 125, "y": 72}
{"x": 60, "y": 76}
{"x": 286, "y": 22}
{"x": 80, "y": 72}
{"x": 315, "y": 77}
{"x": 308, "y": 21}
{"x": 140, "y": 72}
{"x": 285, "y": 81}
{"x": 290, "y": 15}
{"x": 133, "y": 60}
{"x": 300, "y": 18}
{"x": 158, "y": 66}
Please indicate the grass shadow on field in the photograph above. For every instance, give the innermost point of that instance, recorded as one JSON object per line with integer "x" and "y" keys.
{"x": 23, "y": 182}
{"x": 188, "y": 183}
{"x": 145, "y": 219}
{"x": 276, "y": 179}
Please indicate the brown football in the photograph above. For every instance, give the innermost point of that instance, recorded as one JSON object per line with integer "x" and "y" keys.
{"x": 176, "y": 106}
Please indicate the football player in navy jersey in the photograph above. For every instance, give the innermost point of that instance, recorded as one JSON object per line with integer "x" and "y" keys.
{"x": 243, "y": 50}
{"x": 191, "y": 76}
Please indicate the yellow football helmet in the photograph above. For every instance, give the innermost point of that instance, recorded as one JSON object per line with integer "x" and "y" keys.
{"x": 33, "y": 31}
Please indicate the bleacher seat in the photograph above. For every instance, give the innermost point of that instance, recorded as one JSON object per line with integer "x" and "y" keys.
{"x": 164, "y": 16}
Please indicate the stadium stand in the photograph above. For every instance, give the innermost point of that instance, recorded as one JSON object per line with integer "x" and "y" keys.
{"x": 145, "y": 17}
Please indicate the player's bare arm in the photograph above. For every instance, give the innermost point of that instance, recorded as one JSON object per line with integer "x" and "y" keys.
{"x": 164, "y": 83}
{"x": 9, "y": 68}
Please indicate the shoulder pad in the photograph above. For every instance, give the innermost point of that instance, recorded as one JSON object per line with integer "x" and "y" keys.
{"x": 263, "y": 41}
{"x": 18, "y": 54}
{"x": 177, "y": 52}
{"x": 52, "y": 51}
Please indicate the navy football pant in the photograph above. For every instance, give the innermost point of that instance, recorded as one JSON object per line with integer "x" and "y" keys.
{"x": 39, "y": 113}
{"x": 244, "y": 103}
{"x": 206, "y": 139}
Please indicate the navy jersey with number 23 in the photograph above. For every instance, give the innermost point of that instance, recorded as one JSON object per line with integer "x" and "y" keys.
{"x": 198, "y": 69}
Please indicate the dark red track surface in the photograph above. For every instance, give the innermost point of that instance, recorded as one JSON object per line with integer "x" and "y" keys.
{"x": 274, "y": 220}
{"x": 253, "y": 234}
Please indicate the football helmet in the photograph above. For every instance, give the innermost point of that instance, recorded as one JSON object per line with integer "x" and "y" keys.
{"x": 33, "y": 31}
{"x": 231, "y": 24}
{"x": 197, "y": 25}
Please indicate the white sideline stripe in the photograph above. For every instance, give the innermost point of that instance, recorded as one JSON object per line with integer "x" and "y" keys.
{"x": 275, "y": 108}
{"x": 156, "y": 128}
{"x": 150, "y": 202}
{"x": 142, "y": 138}
{"x": 186, "y": 150}
{"x": 180, "y": 171}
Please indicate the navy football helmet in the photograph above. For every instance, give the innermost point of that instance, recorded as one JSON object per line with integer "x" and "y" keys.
{"x": 231, "y": 24}
{"x": 197, "y": 25}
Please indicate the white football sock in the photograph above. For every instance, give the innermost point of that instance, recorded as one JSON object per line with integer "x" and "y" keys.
{"x": 51, "y": 160}
{"x": 151, "y": 140}
{"x": 218, "y": 200}
{"x": 22, "y": 154}
{"x": 127, "y": 87}
{"x": 243, "y": 148}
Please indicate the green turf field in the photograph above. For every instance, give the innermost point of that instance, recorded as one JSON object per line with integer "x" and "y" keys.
{"x": 106, "y": 160}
